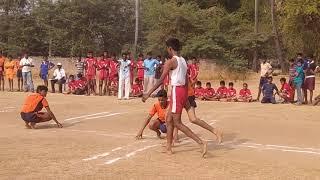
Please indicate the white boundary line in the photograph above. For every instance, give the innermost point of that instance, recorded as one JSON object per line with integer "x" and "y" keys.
{"x": 84, "y": 116}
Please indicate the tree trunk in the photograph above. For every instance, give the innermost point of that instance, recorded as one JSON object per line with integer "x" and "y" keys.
{"x": 276, "y": 36}
{"x": 255, "y": 53}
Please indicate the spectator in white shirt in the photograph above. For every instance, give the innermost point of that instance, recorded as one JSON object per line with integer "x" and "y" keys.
{"x": 266, "y": 71}
{"x": 26, "y": 64}
{"x": 124, "y": 78}
{"x": 59, "y": 77}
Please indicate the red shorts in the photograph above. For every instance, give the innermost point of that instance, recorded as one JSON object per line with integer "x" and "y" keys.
{"x": 90, "y": 77}
{"x": 178, "y": 99}
{"x": 103, "y": 76}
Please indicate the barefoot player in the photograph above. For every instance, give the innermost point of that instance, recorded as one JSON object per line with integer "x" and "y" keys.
{"x": 33, "y": 105}
{"x": 157, "y": 125}
{"x": 177, "y": 67}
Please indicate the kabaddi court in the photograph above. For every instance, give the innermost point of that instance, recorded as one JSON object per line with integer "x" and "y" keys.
{"x": 98, "y": 142}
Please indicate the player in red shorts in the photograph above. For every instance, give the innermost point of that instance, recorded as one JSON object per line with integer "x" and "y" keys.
{"x": 286, "y": 92}
{"x": 140, "y": 68}
{"x": 113, "y": 76}
{"x": 90, "y": 67}
{"x": 245, "y": 94}
{"x": 194, "y": 68}
{"x": 231, "y": 93}
{"x": 177, "y": 67}
{"x": 103, "y": 68}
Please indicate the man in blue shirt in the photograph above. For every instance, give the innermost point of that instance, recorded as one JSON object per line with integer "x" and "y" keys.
{"x": 149, "y": 65}
{"x": 45, "y": 66}
{"x": 268, "y": 90}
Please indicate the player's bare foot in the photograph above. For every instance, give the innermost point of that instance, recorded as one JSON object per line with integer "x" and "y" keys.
{"x": 204, "y": 149}
{"x": 27, "y": 126}
{"x": 32, "y": 125}
{"x": 219, "y": 135}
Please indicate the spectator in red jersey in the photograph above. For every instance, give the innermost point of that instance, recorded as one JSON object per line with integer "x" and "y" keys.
{"x": 113, "y": 76}
{"x": 245, "y": 94}
{"x": 232, "y": 93}
{"x": 199, "y": 91}
{"x": 222, "y": 91}
{"x": 194, "y": 69}
{"x": 209, "y": 93}
{"x": 286, "y": 92}
{"x": 103, "y": 68}
{"x": 90, "y": 67}
{"x": 140, "y": 68}
{"x": 71, "y": 85}
{"x": 137, "y": 89}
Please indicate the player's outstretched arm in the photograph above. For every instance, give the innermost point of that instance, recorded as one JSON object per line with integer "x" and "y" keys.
{"x": 144, "y": 125}
{"x": 53, "y": 117}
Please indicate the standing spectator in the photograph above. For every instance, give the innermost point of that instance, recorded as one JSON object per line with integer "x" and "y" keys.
{"x": 19, "y": 74}
{"x": 2, "y": 60}
{"x": 103, "y": 68}
{"x": 90, "y": 67}
{"x": 124, "y": 77}
{"x": 292, "y": 75}
{"x": 112, "y": 87}
{"x": 10, "y": 66}
{"x": 310, "y": 79}
{"x": 140, "y": 68}
{"x": 80, "y": 66}
{"x": 59, "y": 77}
{"x": 45, "y": 66}
{"x": 266, "y": 71}
{"x": 194, "y": 69}
{"x": 298, "y": 81}
{"x": 149, "y": 72}
{"x": 132, "y": 67}
{"x": 26, "y": 64}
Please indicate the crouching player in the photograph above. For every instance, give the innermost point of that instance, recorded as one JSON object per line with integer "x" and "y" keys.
{"x": 157, "y": 125}
{"x": 32, "y": 106}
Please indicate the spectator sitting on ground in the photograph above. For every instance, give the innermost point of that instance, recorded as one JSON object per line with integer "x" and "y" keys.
{"x": 222, "y": 92}
{"x": 286, "y": 92}
{"x": 245, "y": 94}
{"x": 137, "y": 89}
{"x": 268, "y": 90}
{"x": 199, "y": 91}
{"x": 209, "y": 93}
{"x": 59, "y": 77}
{"x": 232, "y": 93}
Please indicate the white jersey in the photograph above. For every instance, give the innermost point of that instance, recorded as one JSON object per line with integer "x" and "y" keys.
{"x": 179, "y": 74}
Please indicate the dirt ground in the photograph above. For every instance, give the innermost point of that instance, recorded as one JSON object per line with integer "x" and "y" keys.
{"x": 97, "y": 142}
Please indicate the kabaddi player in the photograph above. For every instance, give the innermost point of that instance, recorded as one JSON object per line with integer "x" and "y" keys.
{"x": 32, "y": 106}
{"x": 103, "y": 68}
{"x": 157, "y": 125}
{"x": 177, "y": 67}
{"x": 90, "y": 67}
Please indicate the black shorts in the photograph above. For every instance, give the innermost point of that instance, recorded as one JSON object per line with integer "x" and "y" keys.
{"x": 29, "y": 117}
{"x": 19, "y": 73}
{"x": 192, "y": 101}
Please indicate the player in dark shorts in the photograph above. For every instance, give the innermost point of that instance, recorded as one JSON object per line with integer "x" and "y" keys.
{"x": 310, "y": 79}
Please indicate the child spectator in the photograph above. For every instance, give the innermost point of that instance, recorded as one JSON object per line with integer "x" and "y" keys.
{"x": 232, "y": 93}
{"x": 199, "y": 91}
{"x": 222, "y": 91}
{"x": 209, "y": 93}
{"x": 245, "y": 94}
{"x": 45, "y": 67}
{"x": 286, "y": 92}
{"x": 298, "y": 81}
{"x": 268, "y": 90}
{"x": 137, "y": 89}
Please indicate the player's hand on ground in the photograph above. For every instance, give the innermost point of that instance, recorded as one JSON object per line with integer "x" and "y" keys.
{"x": 59, "y": 125}
{"x": 139, "y": 136}
{"x": 144, "y": 98}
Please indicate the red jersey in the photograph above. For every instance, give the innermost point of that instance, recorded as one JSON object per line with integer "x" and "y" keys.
{"x": 82, "y": 83}
{"x": 103, "y": 67}
{"x": 198, "y": 92}
{"x": 245, "y": 93}
{"x": 193, "y": 71}
{"x": 209, "y": 92}
{"x": 90, "y": 66}
{"x": 136, "y": 89}
{"x": 222, "y": 91}
{"x": 113, "y": 68}
{"x": 286, "y": 88}
{"x": 232, "y": 92}
{"x": 140, "y": 71}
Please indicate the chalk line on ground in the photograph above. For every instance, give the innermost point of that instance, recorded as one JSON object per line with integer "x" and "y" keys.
{"x": 84, "y": 116}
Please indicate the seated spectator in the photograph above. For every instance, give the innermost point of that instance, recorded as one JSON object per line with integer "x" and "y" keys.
{"x": 245, "y": 94}
{"x": 137, "y": 89}
{"x": 232, "y": 93}
{"x": 222, "y": 91}
{"x": 286, "y": 92}
{"x": 209, "y": 93}
{"x": 268, "y": 90}
{"x": 199, "y": 91}
{"x": 59, "y": 77}
{"x": 71, "y": 85}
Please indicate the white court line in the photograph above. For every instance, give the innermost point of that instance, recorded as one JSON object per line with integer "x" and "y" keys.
{"x": 84, "y": 116}
{"x": 108, "y": 115}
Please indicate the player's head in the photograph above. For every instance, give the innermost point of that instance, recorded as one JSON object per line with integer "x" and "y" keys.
{"x": 198, "y": 84}
{"x": 45, "y": 57}
{"x": 231, "y": 84}
{"x": 10, "y": 57}
{"x": 283, "y": 80}
{"x": 59, "y": 65}
{"x": 124, "y": 56}
{"x": 245, "y": 86}
{"x": 90, "y": 54}
{"x": 141, "y": 56}
{"x": 299, "y": 55}
{"x": 222, "y": 83}
{"x": 113, "y": 55}
{"x": 71, "y": 77}
{"x": 208, "y": 85}
{"x": 269, "y": 79}
{"x": 159, "y": 57}
{"x": 299, "y": 62}
{"x": 291, "y": 61}
{"x": 194, "y": 60}
{"x": 25, "y": 55}
{"x": 42, "y": 90}
{"x": 162, "y": 97}
{"x": 173, "y": 45}
{"x": 263, "y": 61}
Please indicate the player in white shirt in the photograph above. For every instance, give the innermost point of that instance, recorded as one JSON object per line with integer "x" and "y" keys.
{"x": 177, "y": 68}
{"x": 26, "y": 64}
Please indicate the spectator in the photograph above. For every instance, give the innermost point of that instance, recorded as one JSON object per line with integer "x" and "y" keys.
{"x": 80, "y": 66}
{"x": 310, "y": 79}
{"x": 266, "y": 71}
{"x": 45, "y": 66}
{"x": 292, "y": 74}
{"x": 59, "y": 77}
{"x": 298, "y": 81}
{"x": 149, "y": 73}
{"x": 124, "y": 77}
{"x": 268, "y": 90}
{"x": 26, "y": 64}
